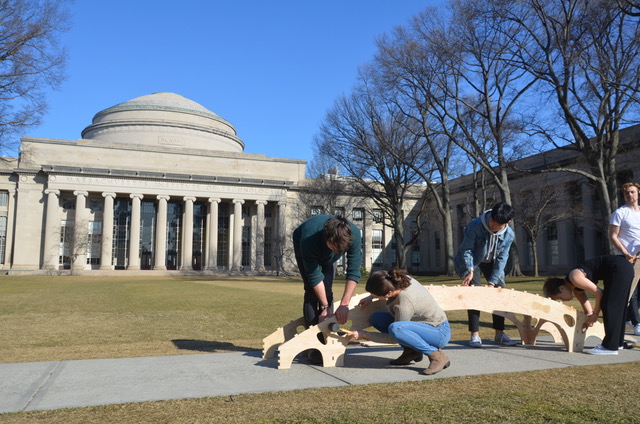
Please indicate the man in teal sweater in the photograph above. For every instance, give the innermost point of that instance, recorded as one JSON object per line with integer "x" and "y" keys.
{"x": 319, "y": 242}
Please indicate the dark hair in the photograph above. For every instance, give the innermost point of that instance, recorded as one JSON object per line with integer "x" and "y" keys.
{"x": 337, "y": 232}
{"x": 382, "y": 282}
{"x": 502, "y": 213}
{"x": 552, "y": 286}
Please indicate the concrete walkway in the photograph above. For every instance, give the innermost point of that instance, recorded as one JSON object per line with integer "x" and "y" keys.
{"x": 35, "y": 386}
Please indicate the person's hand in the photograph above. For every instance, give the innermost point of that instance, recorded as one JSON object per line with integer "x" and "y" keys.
{"x": 467, "y": 279}
{"x": 324, "y": 314}
{"x": 342, "y": 314}
{"x": 357, "y": 335}
{"x": 591, "y": 319}
{"x": 365, "y": 302}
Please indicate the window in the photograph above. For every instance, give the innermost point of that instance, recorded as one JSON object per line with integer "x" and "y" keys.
{"x": 268, "y": 249}
{"x": 376, "y": 247}
{"x": 246, "y": 245}
{"x": 147, "y": 234}
{"x": 66, "y": 235}
{"x": 552, "y": 244}
{"x": 338, "y": 211}
{"x": 415, "y": 254}
{"x": 316, "y": 210}
{"x": 223, "y": 235}
{"x": 94, "y": 242}
{"x": 3, "y": 237}
{"x": 358, "y": 215}
{"x": 377, "y": 216}
{"x": 199, "y": 231}
{"x": 4, "y": 199}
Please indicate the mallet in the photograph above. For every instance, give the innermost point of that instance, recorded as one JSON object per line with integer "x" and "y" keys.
{"x": 334, "y": 327}
{"x": 629, "y": 345}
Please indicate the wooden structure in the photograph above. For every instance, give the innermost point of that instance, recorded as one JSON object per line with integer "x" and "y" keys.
{"x": 529, "y": 312}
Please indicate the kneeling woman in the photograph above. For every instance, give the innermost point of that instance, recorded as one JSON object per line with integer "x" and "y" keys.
{"x": 616, "y": 274}
{"x": 415, "y": 320}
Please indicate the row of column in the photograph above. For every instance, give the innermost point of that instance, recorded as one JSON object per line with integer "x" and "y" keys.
{"x": 52, "y": 230}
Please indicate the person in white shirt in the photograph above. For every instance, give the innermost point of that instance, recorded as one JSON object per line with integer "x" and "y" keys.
{"x": 624, "y": 235}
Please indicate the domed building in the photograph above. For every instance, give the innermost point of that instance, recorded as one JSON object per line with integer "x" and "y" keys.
{"x": 157, "y": 182}
{"x": 162, "y": 183}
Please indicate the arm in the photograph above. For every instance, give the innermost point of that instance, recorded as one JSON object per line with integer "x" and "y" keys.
{"x": 321, "y": 294}
{"x": 579, "y": 280}
{"x": 354, "y": 262}
{"x": 342, "y": 313}
{"x": 614, "y": 232}
{"x": 465, "y": 250}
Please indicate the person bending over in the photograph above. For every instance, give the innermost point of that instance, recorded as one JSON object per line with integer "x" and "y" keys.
{"x": 616, "y": 273}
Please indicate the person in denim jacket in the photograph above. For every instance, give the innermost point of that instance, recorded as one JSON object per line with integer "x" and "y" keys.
{"x": 485, "y": 249}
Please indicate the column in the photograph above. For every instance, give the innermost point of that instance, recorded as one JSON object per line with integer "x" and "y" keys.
{"x": 106, "y": 251}
{"x": 187, "y": 231}
{"x": 51, "y": 231}
{"x": 161, "y": 233}
{"x": 8, "y": 248}
{"x": 212, "y": 230}
{"x": 29, "y": 209}
{"x": 281, "y": 236}
{"x": 80, "y": 232}
{"x": 237, "y": 235}
{"x": 260, "y": 235}
{"x": 134, "y": 232}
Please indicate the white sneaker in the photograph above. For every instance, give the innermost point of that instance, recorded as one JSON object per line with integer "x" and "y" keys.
{"x": 504, "y": 340}
{"x": 599, "y": 350}
{"x": 475, "y": 341}
{"x": 636, "y": 330}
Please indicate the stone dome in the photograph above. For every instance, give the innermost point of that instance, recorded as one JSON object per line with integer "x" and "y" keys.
{"x": 164, "y": 120}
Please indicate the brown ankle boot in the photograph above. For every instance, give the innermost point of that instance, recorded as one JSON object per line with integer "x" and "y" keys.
{"x": 407, "y": 356}
{"x": 437, "y": 362}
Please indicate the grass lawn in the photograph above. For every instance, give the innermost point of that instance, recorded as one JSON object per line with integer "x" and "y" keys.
{"x": 82, "y": 317}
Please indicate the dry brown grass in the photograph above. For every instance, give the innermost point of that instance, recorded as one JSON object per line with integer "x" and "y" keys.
{"x": 59, "y": 318}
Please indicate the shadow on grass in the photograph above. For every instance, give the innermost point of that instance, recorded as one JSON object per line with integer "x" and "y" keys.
{"x": 209, "y": 346}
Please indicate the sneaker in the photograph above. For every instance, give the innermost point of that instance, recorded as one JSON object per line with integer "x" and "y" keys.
{"x": 504, "y": 340}
{"x": 475, "y": 341}
{"x": 636, "y": 330}
{"x": 599, "y": 350}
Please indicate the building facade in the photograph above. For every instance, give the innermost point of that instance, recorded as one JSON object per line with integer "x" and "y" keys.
{"x": 162, "y": 183}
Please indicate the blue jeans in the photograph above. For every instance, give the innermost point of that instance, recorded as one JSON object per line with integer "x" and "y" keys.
{"x": 418, "y": 336}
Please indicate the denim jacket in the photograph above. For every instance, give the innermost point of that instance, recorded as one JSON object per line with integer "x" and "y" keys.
{"x": 474, "y": 248}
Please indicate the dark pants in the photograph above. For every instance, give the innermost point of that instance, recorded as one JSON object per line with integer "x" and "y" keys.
{"x": 632, "y": 313}
{"x": 615, "y": 295}
{"x": 474, "y": 315}
{"x": 311, "y": 305}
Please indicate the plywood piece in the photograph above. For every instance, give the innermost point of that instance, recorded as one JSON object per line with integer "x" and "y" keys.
{"x": 530, "y": 313}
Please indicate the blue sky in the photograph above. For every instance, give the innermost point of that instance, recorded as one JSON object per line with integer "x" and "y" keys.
{"x": 271, "y": 68}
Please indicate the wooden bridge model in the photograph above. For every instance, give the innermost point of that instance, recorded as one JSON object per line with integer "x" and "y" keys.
{"x": 529, "y": 312}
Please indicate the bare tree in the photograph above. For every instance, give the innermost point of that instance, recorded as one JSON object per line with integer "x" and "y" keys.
{"x": 630, "y": 7}
{"x": 456, "y": 83}
{"x": 31, "y": 60}
{"x": 365, "y": 136}
{"x": 408, "y": 69}
{"x": 587, "y": 55}
{"x": 538, "y": 210}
